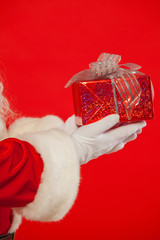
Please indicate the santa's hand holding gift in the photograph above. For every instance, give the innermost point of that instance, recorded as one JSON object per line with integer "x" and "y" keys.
{"x": 40, "y": 162}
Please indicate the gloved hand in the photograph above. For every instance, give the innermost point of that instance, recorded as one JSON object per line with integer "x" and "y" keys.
{"x": 96, "y": 139}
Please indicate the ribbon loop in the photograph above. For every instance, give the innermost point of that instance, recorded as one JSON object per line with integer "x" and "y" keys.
{"x": 130, "y": 66}
{"x": 106, "y": 64}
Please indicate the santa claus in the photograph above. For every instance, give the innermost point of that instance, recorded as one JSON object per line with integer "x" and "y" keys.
{"x": 40, "y": 162}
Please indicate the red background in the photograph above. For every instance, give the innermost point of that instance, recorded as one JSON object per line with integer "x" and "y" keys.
{"x": 42, "y": 44}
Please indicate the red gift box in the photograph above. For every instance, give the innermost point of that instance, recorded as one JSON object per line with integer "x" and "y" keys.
{"x": 95, "y": 99}
{"x": 108, "y": 88}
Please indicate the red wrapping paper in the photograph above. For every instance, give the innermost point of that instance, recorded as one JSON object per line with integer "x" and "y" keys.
{"x": 95, "y": 99}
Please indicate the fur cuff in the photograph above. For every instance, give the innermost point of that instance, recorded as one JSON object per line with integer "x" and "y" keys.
{"x": 29, "y": 125}
{"x": 60, "y": 178}
{"x": 17, "y": 219}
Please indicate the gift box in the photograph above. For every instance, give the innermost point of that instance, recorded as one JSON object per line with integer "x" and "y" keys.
{"x": 108, "y": 88}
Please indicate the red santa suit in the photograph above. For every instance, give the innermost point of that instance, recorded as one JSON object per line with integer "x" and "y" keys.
{"x": 39, "y": 171}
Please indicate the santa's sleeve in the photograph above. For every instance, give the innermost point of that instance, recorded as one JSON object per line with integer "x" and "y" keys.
{"x": 59, "y": 180}
{"x": 20, "y": 172}
{"x": 20, "y": 175}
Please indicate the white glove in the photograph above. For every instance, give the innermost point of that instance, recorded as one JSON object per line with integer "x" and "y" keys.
{"x": 100, "y": 138}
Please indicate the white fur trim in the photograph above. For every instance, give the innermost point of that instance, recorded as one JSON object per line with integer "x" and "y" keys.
{"x": 17, "y": 219}
{"x": 29, "y": 125}
{"x": 60, "y": 178}
{"x": 3, "y": 129}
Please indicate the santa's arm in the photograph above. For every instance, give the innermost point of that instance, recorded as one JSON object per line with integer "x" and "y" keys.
{"x": 60, "y": 177}
{"x": 61, "y": 154}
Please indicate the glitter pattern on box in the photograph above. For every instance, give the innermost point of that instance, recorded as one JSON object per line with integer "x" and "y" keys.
{"x": 94, "y": 100}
